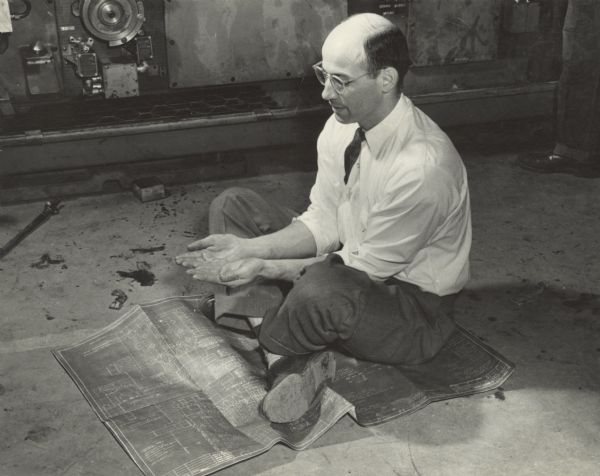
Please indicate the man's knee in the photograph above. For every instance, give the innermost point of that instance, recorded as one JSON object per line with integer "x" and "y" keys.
{"x": 325, "y": 301}
{"x": 320, "y": 309}
{"x": 230, "y": 198}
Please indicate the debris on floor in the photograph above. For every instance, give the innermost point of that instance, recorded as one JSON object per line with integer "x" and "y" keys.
{"x": 142, "y": 275}
{"x": 152, "y": 249}
{"x": 46, "y": 260}
{"x": 120, "y": 299}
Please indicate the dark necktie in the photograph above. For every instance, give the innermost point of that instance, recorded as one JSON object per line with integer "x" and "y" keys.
{"x": 352, "y": 152}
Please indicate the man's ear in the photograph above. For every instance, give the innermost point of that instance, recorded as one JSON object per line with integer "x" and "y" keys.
{"x": 389, "y": 79}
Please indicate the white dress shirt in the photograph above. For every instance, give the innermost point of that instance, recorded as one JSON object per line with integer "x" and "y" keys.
{"x": 405, "y": 211}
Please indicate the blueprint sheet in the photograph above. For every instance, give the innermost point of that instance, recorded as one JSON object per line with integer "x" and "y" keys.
{"x": 182, "y": 395}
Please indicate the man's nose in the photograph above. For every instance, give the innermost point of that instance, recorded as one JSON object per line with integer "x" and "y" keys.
{"x": 328, "y": 91}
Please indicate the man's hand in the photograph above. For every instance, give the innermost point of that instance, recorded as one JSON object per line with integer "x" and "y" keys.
{"x": 231, "y": 274}
{"x": 203, "y": 270}
{"x": 221, "y": 259}
{"x": 242, "y": 272}
{"x": 226, "y": 248}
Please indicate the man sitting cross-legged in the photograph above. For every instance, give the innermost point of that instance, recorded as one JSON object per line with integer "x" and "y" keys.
{"x": 373, "y": 265}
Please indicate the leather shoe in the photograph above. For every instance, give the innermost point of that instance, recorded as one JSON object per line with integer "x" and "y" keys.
{"x": 557, "y": 164}
{"x": 297, "y": 384}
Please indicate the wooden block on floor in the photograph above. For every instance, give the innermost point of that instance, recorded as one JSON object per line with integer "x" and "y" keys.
{"x": 148, "y": 189}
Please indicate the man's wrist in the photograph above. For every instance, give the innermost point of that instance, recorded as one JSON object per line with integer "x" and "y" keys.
{"x": 286, "y": 269}
{"x": 255, "y": 248}
{"x": 271, "y": 269}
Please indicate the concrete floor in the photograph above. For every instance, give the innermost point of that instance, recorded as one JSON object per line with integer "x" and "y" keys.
{"x": 533, "y": 296}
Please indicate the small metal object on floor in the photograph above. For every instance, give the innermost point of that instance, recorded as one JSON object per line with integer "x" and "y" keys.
{"x": 120, "y": 298}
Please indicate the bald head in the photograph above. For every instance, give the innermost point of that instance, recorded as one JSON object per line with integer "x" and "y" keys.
{"x": 350, "y": 35}
{"x": 369, "y": 41}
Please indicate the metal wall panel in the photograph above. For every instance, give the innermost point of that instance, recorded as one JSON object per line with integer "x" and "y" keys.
{"x": 39, "y": 25}
{"x": 457, "y": 31}
{"x": 222, "y": 41}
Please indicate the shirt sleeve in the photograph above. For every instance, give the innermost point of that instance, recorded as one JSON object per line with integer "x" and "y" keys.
{"x": 401, "y": 224}
{"x": 321, "y": 215}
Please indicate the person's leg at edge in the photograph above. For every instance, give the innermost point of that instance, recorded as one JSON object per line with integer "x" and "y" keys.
{"x": 578, "y": 115}
{"x": 577, "y": 148}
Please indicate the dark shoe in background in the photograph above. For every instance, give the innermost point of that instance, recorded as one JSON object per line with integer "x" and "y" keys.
{"x": 557, "y": 164}
{"x": 296, "y": 385}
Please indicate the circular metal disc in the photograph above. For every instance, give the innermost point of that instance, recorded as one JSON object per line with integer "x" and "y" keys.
{"x": 115, "y": 21}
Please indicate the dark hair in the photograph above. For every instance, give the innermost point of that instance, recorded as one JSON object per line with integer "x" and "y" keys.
{"x": 388, "y": 48}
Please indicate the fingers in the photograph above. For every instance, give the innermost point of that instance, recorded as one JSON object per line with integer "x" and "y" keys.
{"x": 201, "y": 244}
{"x": 190, "y": 259}
{"x": 230, "y": 274}
{"x": 211, "y": 276}
{"x": 205, "y": 272}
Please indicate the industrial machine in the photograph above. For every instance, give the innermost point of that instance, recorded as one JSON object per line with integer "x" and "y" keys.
{"x": 83, "y": 48}
{"x": 88, "y": 74}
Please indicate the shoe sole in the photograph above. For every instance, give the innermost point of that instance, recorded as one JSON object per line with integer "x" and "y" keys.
{"x": 574, "y": 171}
{"x": 293, "y": 396}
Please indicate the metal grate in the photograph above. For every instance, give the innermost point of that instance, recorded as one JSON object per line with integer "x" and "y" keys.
{"x": 97, "y": 112}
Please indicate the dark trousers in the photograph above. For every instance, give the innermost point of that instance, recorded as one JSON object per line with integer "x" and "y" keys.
{"x": 331, "y": 304}
{"x": 578, "y": 108}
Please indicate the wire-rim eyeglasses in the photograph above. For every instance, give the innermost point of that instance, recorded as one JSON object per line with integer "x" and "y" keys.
{"x": 338, "y": 84}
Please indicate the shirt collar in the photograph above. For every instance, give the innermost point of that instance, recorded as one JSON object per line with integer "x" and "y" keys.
{"x": 388, "y": 127}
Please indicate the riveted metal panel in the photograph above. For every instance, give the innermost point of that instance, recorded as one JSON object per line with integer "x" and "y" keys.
{"x": 222, "y": 41}
{"x": 120, "y": 80}
{"x": 457, "y": 31}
